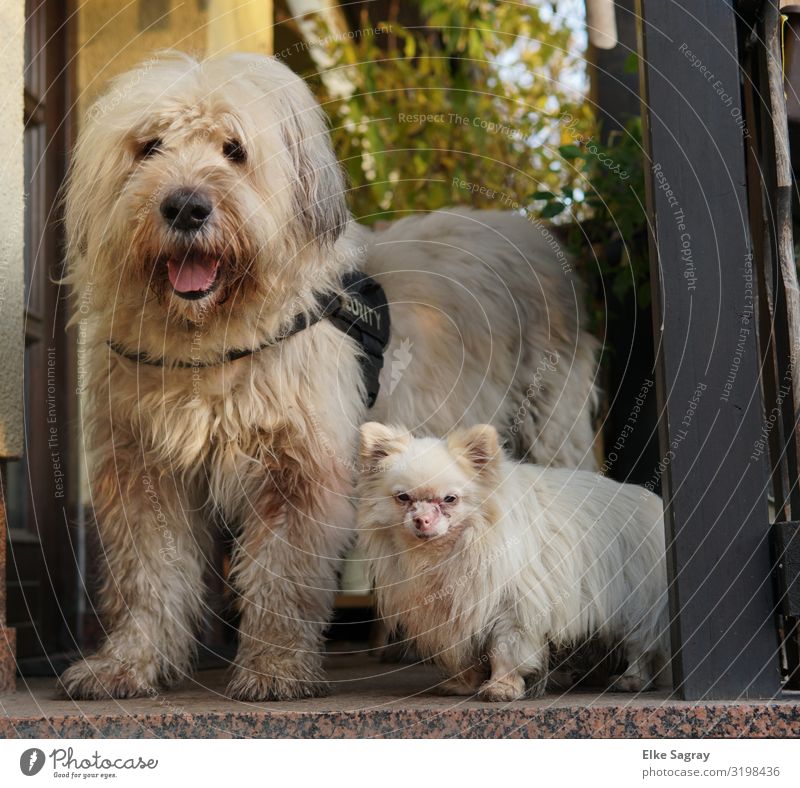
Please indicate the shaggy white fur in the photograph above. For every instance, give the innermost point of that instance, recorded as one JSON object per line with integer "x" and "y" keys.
{"x": 492, "y": 566}
{"x": 482, "y": 296}
{"x": 205, "y": 209}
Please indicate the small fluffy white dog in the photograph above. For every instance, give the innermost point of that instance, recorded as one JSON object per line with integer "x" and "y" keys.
{"x": 205, "y": 215}
{"x": 493, "y": 567}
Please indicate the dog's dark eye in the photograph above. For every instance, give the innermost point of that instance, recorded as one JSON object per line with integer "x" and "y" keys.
{"x": 149, "y": 147}
{"x": 450, "y": 498}
{"x": 233, "y": 151}
{"x": 403, "y": 497}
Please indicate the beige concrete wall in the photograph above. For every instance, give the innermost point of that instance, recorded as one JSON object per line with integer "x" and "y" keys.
{"x": 113, "y": 37}
{"x": 12, "y": 21}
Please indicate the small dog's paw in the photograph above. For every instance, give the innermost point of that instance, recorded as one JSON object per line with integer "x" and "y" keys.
{"x": 501, "y": 690}
{"x": 628, "y": 683}
{"x": 99, "y": 678}
{"x": 277, "y": 681}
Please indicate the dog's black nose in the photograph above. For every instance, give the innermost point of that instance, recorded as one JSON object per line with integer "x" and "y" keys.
{"x": 186, "y": 209}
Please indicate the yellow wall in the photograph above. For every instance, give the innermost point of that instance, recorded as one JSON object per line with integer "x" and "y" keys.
{"x": 11, "y": 237}
{"x": 113, "y": 37}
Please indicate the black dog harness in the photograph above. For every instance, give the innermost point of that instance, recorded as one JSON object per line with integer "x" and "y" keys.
{"x": 360, "y": 311}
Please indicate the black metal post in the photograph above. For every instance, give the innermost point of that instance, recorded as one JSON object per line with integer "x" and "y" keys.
{"x": 721, "y": 597}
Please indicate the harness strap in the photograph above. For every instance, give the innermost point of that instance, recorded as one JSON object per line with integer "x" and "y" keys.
{"x": 360, "y": 311}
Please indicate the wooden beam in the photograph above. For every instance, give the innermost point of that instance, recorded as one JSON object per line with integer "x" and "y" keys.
{"x": 786, "y": 294}
{"x": 8, "y": 665}
{"x": 721, "y": 595}
{"x": 787, "y": 559}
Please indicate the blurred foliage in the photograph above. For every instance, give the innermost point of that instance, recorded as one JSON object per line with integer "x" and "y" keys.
{"x": 607, "y": 226}
{"x": 483, "y": 105}
{"x": 467, "y": 108}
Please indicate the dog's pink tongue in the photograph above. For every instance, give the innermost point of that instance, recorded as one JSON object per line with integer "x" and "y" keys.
{"x": 192, "y": 274}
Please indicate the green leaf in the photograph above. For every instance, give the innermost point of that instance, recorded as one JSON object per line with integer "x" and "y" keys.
{"x": 631, "y": 65}
{"x": 570, "y": 151}
{"x": 552, "y": 209}
{"x": 543, "y": 196}
{"x": 621, "y": 285}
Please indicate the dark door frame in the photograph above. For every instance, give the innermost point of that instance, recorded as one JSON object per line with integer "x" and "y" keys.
{"x": 41, "y": 566}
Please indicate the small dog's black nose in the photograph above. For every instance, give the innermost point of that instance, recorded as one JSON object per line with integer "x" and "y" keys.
{"x": 186, "y": 209}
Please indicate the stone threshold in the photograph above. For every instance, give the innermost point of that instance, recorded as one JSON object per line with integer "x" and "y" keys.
{"x": 374, "y": 700}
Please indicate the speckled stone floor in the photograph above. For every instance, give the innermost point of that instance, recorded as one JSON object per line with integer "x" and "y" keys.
{"x": 370, "y": 699}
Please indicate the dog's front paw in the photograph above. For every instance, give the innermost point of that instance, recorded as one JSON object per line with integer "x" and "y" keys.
{"x": 101, "y": 677}
{"x": 508, "y": 688}
{"x": 263, "y": 680}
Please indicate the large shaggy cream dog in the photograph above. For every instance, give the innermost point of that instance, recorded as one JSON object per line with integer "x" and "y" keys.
{"x": 205, "y": 212}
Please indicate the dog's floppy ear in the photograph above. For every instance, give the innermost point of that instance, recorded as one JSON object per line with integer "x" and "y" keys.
{"x": 379, "y": 441}
{"x": 319, "y": 191}
{"x": 479, "y": 446}
{"x": 316, "y": 179}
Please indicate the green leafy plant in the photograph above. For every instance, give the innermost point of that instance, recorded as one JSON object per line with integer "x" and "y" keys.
{"x": 604, "y": 218}
{"x": 482, "y": 104}
{"x": 466, "y": 108}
